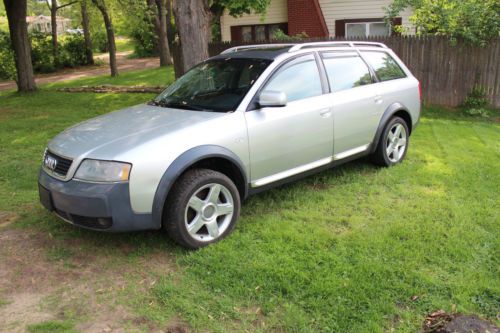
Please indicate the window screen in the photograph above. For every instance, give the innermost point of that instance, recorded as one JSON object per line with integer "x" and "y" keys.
{"x": 345, "y": 71}
{"x": 384, "y": 65}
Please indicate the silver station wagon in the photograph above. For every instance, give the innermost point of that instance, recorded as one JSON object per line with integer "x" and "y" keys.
{"x": 243, "y": 121}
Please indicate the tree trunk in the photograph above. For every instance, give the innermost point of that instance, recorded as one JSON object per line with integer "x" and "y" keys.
{"x": 192, "y": 18}
{"x": 101, "y": 5}
{"x": 170, "y": 25}
{"x": 16, "y": 15}
{"x": 161, "y": 28}
{"x": 86, "y": 33}
{"x": 53, "y": 22}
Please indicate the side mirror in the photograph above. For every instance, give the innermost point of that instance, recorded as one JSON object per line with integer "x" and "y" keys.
{"x": 272, "y": 98}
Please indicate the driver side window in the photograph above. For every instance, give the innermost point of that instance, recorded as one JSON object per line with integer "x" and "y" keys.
{"x": 298, "y": 79}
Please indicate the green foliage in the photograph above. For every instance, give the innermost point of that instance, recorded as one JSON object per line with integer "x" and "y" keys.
{"x": 476, "y": 21}
{"x": 476, "y": 98}
{"x": 72, "y": 52}
{"x": 99, "y": 41}
{"x": 7, "y": 64}
{"x": 281, "y": 35}
{"x": 476, "y": 103}
{"x": 145, "y": 39}
{"x": 237, "y": 8}
{"x": 41, "y": 52}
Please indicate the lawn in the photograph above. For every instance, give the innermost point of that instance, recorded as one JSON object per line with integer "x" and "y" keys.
{"x": 354, "y": 249}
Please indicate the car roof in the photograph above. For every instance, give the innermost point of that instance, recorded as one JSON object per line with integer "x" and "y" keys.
{"x": 272, "y": 51}
{"x": 269, "y": 53}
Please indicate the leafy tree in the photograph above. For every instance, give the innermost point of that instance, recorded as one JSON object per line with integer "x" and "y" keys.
{"x": 54, "y": 7}
{"x": 476, "y": 21}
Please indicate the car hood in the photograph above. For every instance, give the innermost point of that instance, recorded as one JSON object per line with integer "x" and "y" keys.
{"x": 125, "y": 128}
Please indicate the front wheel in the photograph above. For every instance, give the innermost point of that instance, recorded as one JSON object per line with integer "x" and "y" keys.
{"x": 203, "y": 208}
{"x": 393, "y": 143}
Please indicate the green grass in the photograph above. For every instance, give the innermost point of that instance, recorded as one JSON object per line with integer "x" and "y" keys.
{"x": 52, "y": 327}
{"x": 341, "y": 251}
{"x": 124, "y": 44}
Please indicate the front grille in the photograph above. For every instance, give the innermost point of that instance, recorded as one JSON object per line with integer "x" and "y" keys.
{"x": 62, "y": 165}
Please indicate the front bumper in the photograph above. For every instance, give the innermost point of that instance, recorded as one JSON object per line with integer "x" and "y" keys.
{"x": 95, "y": 206}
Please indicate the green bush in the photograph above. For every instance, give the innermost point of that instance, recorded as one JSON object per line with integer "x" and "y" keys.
{"x": 281, "y": 35}
{"x": 476, "y": 103}
{"x": 7, "y": 64}
{"x": 145, "y": 41}
{"x": 72, "y": 51}
{"x": 41, "y": 53}
{"x": 100, "y": 41}
{"x": 476, "y": 98}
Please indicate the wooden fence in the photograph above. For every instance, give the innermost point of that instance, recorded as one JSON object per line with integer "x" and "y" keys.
{"x": 446, "y": 71}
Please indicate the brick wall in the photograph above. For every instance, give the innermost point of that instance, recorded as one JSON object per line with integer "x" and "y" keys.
{"x": 306, "y": 16}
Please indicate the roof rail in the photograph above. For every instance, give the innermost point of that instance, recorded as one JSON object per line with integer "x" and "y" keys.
{"x": 297, "y": 47}
{"x": 249, "y": 47}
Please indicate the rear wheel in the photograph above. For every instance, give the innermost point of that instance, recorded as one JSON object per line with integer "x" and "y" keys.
{"x": 393, "y": 143}
{"x": 203, "y": 208}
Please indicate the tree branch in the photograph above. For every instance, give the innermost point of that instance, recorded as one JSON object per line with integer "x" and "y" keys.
{"x": 67, "y": 4}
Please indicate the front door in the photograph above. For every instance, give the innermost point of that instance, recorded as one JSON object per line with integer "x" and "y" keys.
{"x": 288, "y": 140}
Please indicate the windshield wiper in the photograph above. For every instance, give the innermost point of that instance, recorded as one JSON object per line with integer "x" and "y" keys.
{"x": 177, "y": 105}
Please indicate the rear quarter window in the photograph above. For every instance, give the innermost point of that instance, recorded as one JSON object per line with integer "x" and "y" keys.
{"x": 385, "y": 67}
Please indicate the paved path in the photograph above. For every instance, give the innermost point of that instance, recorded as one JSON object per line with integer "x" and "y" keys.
{"x": 124, "y": 65}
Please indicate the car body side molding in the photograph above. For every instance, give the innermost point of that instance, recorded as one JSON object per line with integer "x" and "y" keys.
{"x": 181, "y": 164}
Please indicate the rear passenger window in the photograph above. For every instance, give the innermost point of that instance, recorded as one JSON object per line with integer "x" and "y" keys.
{"x": 345, "y": 71}
{"x": 384, "y": 65}
{"x": 298, "y": 79}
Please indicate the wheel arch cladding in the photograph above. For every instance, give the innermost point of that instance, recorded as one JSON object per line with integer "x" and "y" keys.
{"x": 209, "y": 156}
{"x": 395, "y": 109}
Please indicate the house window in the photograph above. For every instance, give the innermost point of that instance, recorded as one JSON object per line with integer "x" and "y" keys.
{"x": 256, "y": 32}
{"x": 367, "y": 29}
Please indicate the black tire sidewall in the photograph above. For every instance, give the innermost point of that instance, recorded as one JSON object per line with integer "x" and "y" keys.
{"x": 382, "y": 152}
{"x": 185, "y": 187}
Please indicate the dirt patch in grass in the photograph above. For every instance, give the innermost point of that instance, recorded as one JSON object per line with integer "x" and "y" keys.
{"x": 442, "y": 322}
{"x": 42, "y": 278}
{"x": 7, "y": 218}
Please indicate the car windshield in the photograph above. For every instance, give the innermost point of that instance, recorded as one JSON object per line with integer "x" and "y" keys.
{"x": 215, "y": 85}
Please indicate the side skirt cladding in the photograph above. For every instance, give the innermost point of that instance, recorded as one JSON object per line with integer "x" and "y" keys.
{"x": 181, "y": 164}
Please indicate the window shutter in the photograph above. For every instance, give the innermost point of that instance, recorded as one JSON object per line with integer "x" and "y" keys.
{"x": 339, "y": 28}
{"x": 236, "y": 34}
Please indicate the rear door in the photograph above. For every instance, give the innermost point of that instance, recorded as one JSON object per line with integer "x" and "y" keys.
{"x": 288, "y": 140}
{"x": 355, "y": 102}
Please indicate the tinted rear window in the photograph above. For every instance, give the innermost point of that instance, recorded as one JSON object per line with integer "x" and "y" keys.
{"x": 384, "y": 65}
{"x": 345, "y": 71}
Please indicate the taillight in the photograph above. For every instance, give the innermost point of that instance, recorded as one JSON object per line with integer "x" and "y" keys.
{"x": 420, "y": 91}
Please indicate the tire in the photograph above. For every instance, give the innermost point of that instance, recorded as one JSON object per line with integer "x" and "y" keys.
{"x": 393, "y": 144}
{"x": 202, "y": 208}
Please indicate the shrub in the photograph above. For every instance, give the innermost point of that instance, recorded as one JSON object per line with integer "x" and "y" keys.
{"x": 72, "y": 51}
{"x": 145, "y": 39}
{"x": 476, "y": 98}
{"x": 7, "y": 64}
{"x": 100, "y": 41}
{"x": 281, "y": 35}
{"x": 476, "y": 103}
{"x": 41, "y": 53}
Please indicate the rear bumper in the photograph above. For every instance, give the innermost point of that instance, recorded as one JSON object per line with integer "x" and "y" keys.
{"x": 104, "y": 207}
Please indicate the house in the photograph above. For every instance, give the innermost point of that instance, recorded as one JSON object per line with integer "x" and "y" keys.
{"x": 317, "y": 18}
{"x": 42, "y": 23}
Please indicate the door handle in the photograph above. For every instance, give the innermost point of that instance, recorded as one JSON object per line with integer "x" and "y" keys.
{"x": 325, "y": 112}
{"x": 378, "y": 99}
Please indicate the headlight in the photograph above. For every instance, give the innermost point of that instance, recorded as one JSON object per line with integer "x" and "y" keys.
{"x": 103, "y": 171}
